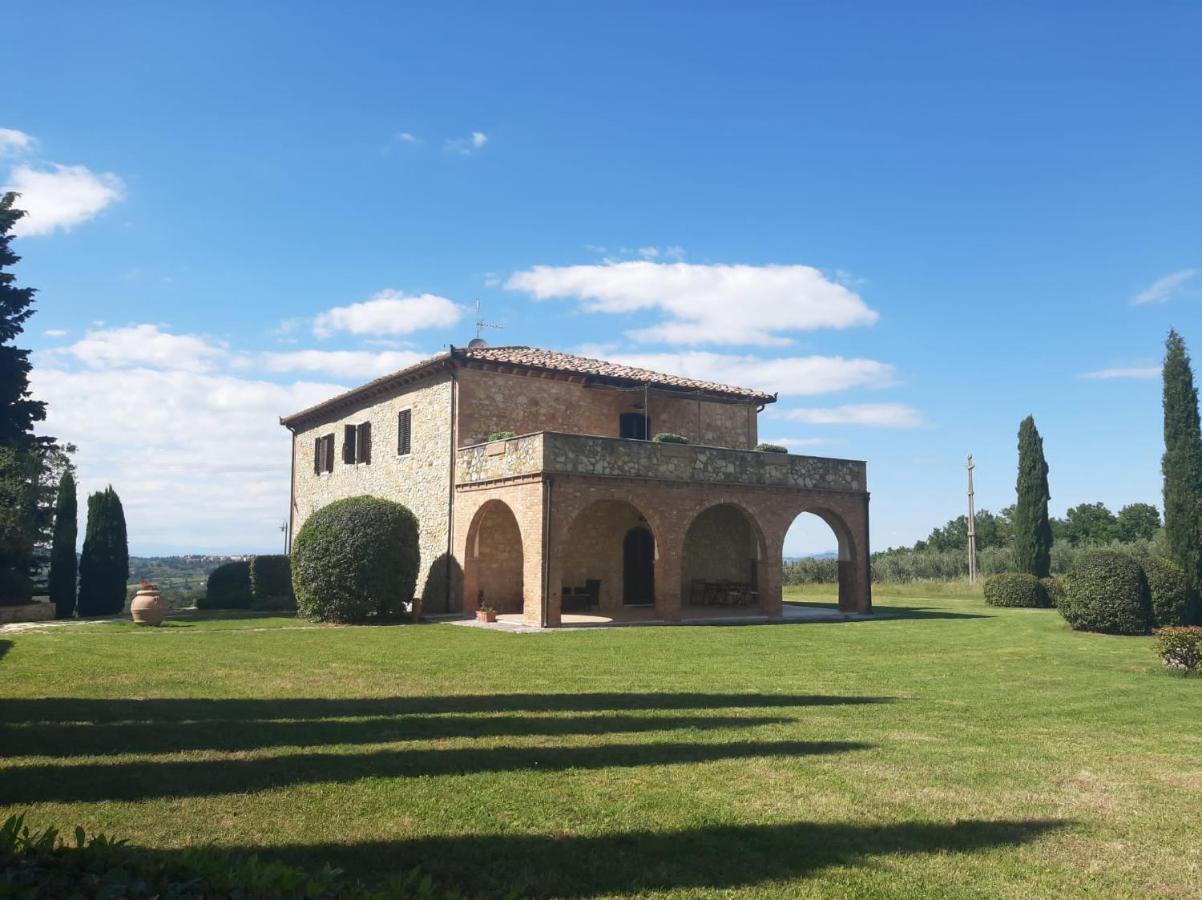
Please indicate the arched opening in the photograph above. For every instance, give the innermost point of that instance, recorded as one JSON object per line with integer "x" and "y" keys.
{"x": 723, "y": 564}
{"x": 818, "y": 555}
{"x": 492, "y": 574}
{"x": 609, "y": 559}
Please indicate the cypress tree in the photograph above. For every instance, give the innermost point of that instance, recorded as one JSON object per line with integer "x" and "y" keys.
{"x": 104, "y": 563}
{"x": 61, "y": 581}
{"x": 1182, "y": 463}
{"x": 1032, "y": 532}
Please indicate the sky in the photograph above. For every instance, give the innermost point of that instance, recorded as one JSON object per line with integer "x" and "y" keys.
{"x": 917, "y": 222}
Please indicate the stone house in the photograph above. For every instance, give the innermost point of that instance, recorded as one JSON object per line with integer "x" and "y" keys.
{"x": 579, "y": 510}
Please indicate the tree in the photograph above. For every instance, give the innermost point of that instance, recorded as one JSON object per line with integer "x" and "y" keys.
{"x": 1137, "y": 522}
{"x": 1032, "y": 531}
{"x": 17, "y": 411}
{"x": 1090, "y": 523}
{"x": 63, "y": 565}
{"x": 16, "y": 524}
{"x": 104, "y": 563}
{"x": 1182, "y": 462}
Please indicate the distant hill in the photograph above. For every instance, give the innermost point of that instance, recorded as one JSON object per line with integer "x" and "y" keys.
{"x": 826, "y": 554}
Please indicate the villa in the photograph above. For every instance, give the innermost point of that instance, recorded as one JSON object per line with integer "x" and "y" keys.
{"x": 539, "y": 490}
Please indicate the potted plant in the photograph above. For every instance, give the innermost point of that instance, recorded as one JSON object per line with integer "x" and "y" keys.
{"x": 486, "y": 614}
{"x": 147, "y": 607}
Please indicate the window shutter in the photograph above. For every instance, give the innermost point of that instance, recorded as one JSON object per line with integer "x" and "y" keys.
{"x": 317, "y": 446}
{"x": 348, "y": 444}
{"x": 363, "y": 443}
{"x": 329, "y": 452}
{"x": 404, "y": 431}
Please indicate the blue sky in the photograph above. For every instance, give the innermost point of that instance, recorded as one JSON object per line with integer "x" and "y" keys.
{"x": 918, "y": 222}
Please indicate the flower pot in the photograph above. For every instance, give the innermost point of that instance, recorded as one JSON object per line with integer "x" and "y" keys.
{"x": 486, "y": 615}
{"x": 147, "y": 607}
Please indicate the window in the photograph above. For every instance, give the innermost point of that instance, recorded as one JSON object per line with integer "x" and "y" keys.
{"x": 323, "y": 454}
{"x": 633, "y": 426}
{"x": 404, "y": 431}
{"x": 363, "y": 443}
{"x": 348, "y": 444}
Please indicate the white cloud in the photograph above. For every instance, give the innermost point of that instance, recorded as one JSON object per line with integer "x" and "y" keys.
{"x": 406, "y": 137}
{"x": 794, "y": 375}
{"x": 60, "y": 197}
{"x": 13, "y": 141}
{"x": 1132, "y": 372}
{"x": 799, "y": 442}
{"x": 465, "y": 146}
{"x": 146, "y": 347}
{"x": 715, "y": 304}
{"x": 353, "y": 365}
{"x": 55, "y": 332}
{"x": 389, "y": 312}
{"x": 880, "y": 415}
{"x": 1163, "y": 289}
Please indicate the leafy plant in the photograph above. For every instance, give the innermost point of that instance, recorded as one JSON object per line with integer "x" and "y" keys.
{"x": 667, "y": 437}
{"x": 1015, "y": 589}
{"x": 1107, "y": 592}
{"x": 501, "y": 435}
{"x": 1180, "y": 647}
{"x": 771, "y": 448}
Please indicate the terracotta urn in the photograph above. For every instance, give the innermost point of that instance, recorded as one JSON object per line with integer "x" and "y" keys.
{"x": 147, "y": 607}
{"x": 486, "y": 615}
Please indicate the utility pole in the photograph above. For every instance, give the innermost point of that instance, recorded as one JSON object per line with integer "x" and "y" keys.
{"x": 284, "y": 531}
{"x": 972, "y": 529}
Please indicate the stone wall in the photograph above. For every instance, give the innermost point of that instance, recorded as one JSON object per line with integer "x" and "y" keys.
{"x": 491, "y": 402}
{"x": 420, "y": 479}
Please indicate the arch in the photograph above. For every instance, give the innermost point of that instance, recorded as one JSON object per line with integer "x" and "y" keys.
{"x": 724, "y": 559}
{"x": 851, "y": 567}
{"x": 492, "y": 570}
{"x": 594, "y": 554}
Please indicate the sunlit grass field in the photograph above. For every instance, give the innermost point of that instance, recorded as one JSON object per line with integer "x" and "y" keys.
{"x": 945, "y": 748}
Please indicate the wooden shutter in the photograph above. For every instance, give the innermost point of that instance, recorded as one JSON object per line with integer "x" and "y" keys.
{"x": 363, "y": 443}
{"x": 404, "y": 431}
{"x": 318, "y": 444}
{"x": 348, "y": 444}
{"x": 329, "y": 454}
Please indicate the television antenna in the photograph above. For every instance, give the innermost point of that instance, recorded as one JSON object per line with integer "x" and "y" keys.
{"x": 481, "y": 324}
{"x": 972, "y": 528}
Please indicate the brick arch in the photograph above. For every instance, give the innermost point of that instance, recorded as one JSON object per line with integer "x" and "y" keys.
{"x": 588, "y": 544}
{"x": 850, "y": 528}
{"x": 708, "y": 555}
{"x": 493, "y": 569}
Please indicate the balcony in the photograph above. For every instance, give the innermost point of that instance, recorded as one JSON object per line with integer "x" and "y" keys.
{"x": 548, "y": 452}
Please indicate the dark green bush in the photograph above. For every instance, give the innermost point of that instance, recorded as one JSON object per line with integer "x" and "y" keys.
{"x": 355, "y": 560}
{"x": 771, "y": 448}
{"x": 228, "y": 587}
{"x": 667, "y": 437}
{"x": 1180, "y": 648}
{"x": 104, "y": 562}
{"x": 1170, "y": 594}
{"x": 15, "y": 588}
{"x": 1015, "y": 589}
{"x": 271, "y": 582}
{"x": 1107, "y": 592}
{"x": 1054, "y": 588}
{"x": 502, "y": 435}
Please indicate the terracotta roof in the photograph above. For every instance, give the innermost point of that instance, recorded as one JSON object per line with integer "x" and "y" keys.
{"x": 535, "y": 359}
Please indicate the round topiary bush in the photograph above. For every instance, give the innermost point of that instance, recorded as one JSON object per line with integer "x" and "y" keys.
{"x": 1169, "y": 592}
{"x": 1015, "y": 589}
{"x": 228, "y": 587}
{"x": 1054, "y": 588}
{"x": 1107, "y": 592}
{"x": 355, "y": 560}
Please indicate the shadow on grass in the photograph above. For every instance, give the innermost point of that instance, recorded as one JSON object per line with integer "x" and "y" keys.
{"x": 144, "y": 780}
{"x": 883, "y": 612}
{"x": 709, "y": 858}
{"x": 89, "y": 711}
{"x": 5, "y": 646}
{"x": 111, "y": 739}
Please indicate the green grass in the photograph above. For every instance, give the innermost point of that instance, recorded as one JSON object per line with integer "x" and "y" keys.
{"x": 950, "y": 750}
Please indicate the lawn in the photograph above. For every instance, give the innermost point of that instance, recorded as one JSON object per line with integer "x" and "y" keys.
{"x": 950, "y": 749}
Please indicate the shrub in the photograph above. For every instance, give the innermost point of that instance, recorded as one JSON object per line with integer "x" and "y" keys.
{"x": 667, "y": 437}
{"x": 1054, "y": 588}
{"x": 1180, "y": 647}
{"x": 16, "y": 588}
{"x": 104, "y": 562}
{"x": 771, "y": 448}
{"x": 1107, "y": 592}
{"x": 228, "y": 587}
{"x": 1015, "y": 589}
{"x": 1169, "y": 592}
{"x": 271, "y": 582}
{"x": 502, "y": 435}
{"x": 354, "y": 560}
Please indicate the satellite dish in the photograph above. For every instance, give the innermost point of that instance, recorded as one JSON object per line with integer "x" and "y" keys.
{"x": 476, "y": 343}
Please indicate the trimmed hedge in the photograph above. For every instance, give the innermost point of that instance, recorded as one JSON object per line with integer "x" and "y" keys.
{"x": 1107, "y": 592}
{"x": 228, "y": 587}
{"x": 1055, "y": 589}
{"x": 1015, "y": 589}
{"x": 1170, "y": 594}
{"x": 1180, "y": 648}
{"x": 271, "y": 583}
{"x": 771, "y": 448}
{"x": 356, "y": 560}
{"x": 667, "y": 437}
